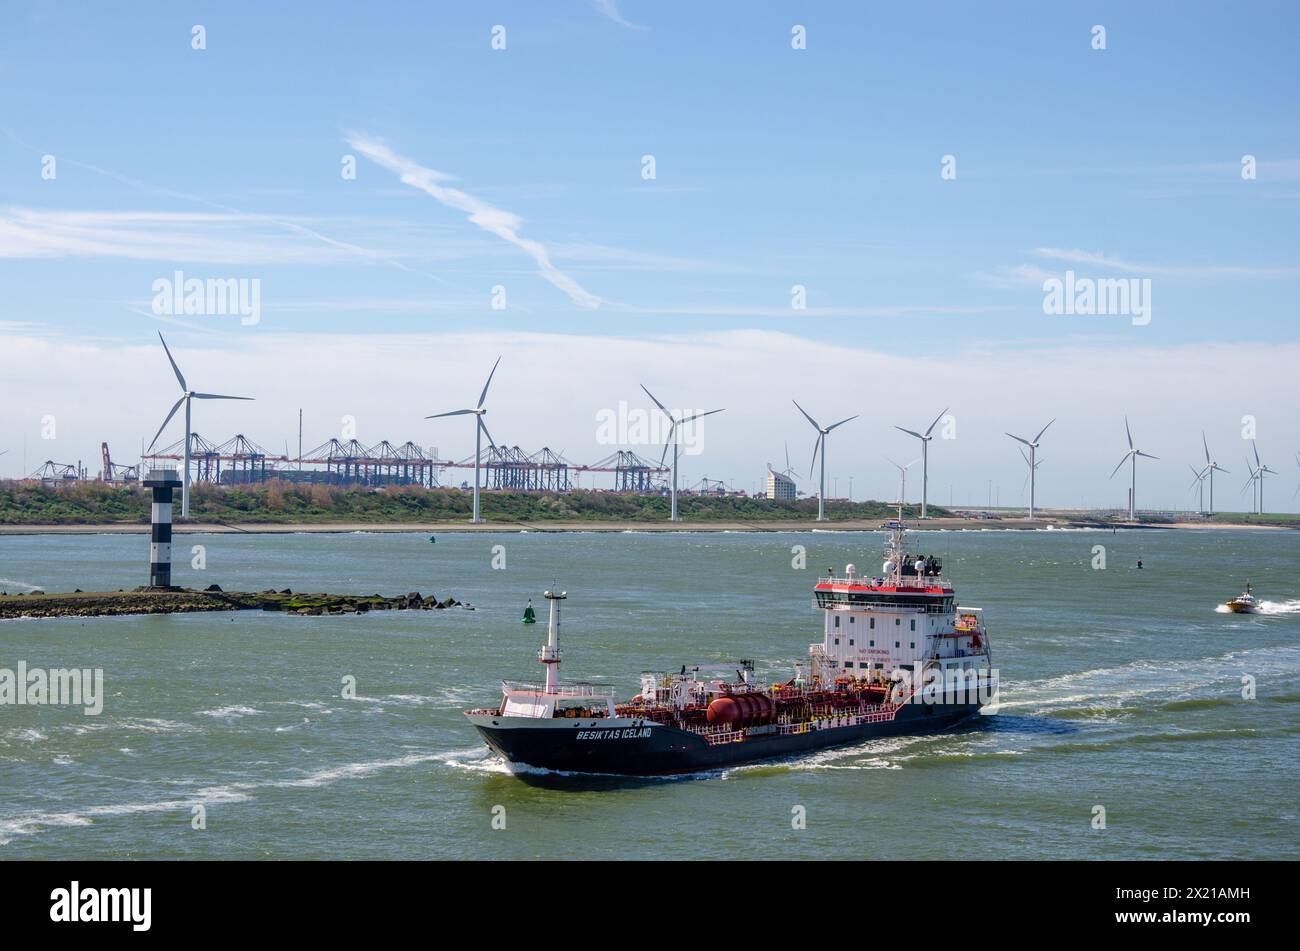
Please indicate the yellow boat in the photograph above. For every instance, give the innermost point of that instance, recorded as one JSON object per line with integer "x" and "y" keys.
{"x": 1245, "y": 603}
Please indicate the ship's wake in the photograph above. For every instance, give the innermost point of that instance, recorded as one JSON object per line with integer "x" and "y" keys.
{"x": 1280, "y": 607}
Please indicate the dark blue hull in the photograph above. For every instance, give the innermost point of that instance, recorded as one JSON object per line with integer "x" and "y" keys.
{"x": 639, "y": 750}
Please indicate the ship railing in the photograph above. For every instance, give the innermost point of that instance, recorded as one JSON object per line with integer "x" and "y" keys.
{"x": 594, "y": 691}
{"x": 908, "y": 581}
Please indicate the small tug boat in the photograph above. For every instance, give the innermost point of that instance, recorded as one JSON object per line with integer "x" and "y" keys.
{"x": 1245, "y": 603}
{"x": 898, "y": 656}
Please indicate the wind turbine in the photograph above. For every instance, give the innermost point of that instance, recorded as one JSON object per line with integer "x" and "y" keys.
{"x": 1258, "y": 473}
{"x": 672, "y": 434}
{"x": 480, "y": 430}
{"x": 1199, "y": 480}
{"x": 925, "y": 457}
{"x": 1131, "y": 457}
{"x": 902, "y": 472}
{"x": 186, "y": 395}
{"x": 820, "y": 447}
{"x": 1211, "y": 467}
{"x": 1250, "y": 484}
{"x": 1029, "y": 479}
{"x": 1033, "y": 466}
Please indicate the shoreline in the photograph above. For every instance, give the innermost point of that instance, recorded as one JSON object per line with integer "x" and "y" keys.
{"x": 780, "y": 525}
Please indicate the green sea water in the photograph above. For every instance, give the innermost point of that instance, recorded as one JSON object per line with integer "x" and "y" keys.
{"x": 1121, "y": 689}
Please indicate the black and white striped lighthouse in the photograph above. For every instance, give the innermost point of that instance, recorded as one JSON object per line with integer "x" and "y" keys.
{"x": 163, "y": 482}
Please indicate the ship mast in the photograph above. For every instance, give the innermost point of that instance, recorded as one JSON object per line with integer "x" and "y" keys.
{"x": 550, "y": 654}
{"x": 894, "y": 551}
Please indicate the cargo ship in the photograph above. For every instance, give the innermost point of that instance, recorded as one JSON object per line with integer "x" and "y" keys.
{"x": 898, "y": 656}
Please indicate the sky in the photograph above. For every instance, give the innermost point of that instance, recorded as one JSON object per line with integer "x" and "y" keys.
{"x": 667, "y": 194}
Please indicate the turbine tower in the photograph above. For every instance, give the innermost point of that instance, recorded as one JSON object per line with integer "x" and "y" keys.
{"x": 1029, "y": 477}
{"x": 925, "y": 457}
{"x": 1199, "y": 476}
{"x": 1033, "y": 466}
{"x": 186, "y": 395}
{"x": 1259, "y": 472}
{"x": 480, "y": 430}
{"x": 1211, "y": 467}
{"x": 673, "y": 423}
{"x": 902, "y": 473}
{"x": 1131, "y": 457}
{"x": 819, "y": 448}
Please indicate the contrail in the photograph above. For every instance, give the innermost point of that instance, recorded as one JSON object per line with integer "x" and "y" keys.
{"x": 503, "y": 224}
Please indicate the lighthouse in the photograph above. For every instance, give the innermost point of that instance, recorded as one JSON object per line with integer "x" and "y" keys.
{"x": 163, "y": 482}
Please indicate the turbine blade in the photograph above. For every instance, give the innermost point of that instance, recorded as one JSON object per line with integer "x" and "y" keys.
{"x": 816, "y": 446}
{"x": 218, "y": 396}
{"x": 1145, "y": 455}
{"x": 910, "y": 432}
{"x": 1128, "y": 432}
{"x": 841, "y": 423}
{"x": 1206, "y": 444}
{"x": 656, "y": 402}
{"x": 483, "y": 426}
{"x": 672, "y": 426}
{"x": 816, "y": 425}
{"x": 1022, "y": 455}
{"x": 1121, "y": 463}
{"x": 697, "y": 416}
{"x": 1255, "y": 446}
{"x": 936, "y": 422}
{"x": 175, "y": 407}
{"x": 455, "y": 412}
{"x": 1018, "y": 439}
{"x": 175, "y": 369}
{"x": 483, "y": 396}
{"x": 1044, "y": 429}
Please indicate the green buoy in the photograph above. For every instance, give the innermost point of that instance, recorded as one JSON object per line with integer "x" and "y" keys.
{"x": 530, "y": 616}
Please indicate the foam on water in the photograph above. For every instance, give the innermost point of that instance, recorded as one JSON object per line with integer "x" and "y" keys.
{"x": 234, "y": 792}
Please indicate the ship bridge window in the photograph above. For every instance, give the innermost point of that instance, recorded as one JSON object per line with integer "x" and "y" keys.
{"x": 850, "y": 642}
{"x": 873, "y": 624}
{"x": 837, "y": 620}
{"x": 848, "y": 663}
{"x": 914, "y": 624}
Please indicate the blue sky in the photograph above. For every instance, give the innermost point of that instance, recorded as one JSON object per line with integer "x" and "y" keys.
{"x": 774, "y": 167}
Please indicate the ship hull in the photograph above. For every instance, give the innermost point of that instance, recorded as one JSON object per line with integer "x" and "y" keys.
{"x": 639, "y": 748}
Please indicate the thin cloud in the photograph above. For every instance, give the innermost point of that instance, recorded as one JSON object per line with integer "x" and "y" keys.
{"x": 608, "y": 8}
{"x": 1101, "y": 259}
{"x": 503, "y": 224}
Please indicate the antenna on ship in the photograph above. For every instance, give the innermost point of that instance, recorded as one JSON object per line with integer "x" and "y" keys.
{"x": 550, "y": 654}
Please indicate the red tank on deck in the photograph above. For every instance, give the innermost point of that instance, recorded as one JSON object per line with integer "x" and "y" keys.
{"x": 741, "y": 708}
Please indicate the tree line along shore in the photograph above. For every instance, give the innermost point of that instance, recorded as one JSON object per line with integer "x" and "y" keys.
{"x": 276, "y": 501}
{"x": 284, "y": 503}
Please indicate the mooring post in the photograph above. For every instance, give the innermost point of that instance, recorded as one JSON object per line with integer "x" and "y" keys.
{"x": 163, "y": 482}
